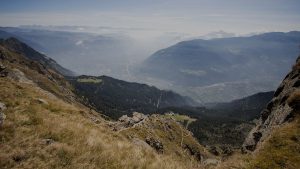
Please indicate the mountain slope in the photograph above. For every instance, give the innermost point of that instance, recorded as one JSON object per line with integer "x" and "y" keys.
{"x": 283, "y": 108}
{"x": 117, "y": 97}
{"x": 220, "y": 70}
{"x": 247, "y": 108}
{"x": 274, "y": 141}
{"x": 14, "y": 44}
{"x": 43, "y": 125}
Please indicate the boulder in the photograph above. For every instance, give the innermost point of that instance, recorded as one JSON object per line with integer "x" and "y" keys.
{"x": 137, "y": 117}
{"x": 211, "y": 161}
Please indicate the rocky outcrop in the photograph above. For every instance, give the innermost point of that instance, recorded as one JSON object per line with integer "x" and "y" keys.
{"x": 156, "y": 144}
{"x": 193, "y": 151}
{"x": 3, "y": 72}
{"x": 164, "y": 135}
{"x": 126, "y": 122}
{"x": 19, "y": 76}
{"x": 2, "y": 115}
{"x": 281, "y": 109}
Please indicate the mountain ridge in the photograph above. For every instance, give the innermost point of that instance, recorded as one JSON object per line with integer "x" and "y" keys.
{"x": 15, "y": 45}
{"x": 119, "y": 97}
{"x": 209, "y": 70}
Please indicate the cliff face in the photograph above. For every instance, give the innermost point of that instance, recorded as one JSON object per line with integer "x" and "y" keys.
{"x": 282, "y": 109}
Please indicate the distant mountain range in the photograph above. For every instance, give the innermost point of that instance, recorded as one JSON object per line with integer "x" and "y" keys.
{"x": 208, "y": 71}
{"x": 224, "y": 69}
{"x": 81, "y": 52}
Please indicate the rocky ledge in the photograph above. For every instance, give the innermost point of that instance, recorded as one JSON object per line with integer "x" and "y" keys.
{"x": 126, "y": 122}
{"x": 281, "y": 109}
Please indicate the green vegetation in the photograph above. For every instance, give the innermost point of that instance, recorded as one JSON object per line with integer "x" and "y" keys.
{"x": 89, "y": 80}
{"x": 184, "y": 119}
{"x": 212, "y": 129}
{"x": 116, "y": 97}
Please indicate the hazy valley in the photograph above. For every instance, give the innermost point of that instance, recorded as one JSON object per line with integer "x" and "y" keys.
{"x": 138, "y": 84}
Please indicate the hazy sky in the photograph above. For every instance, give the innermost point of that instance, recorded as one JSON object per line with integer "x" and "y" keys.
{"x": 193, "y": 17}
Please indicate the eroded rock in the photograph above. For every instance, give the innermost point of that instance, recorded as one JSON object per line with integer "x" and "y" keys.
{"x": 156, "y": 144}
{"x": 19, "y": 76}
{"x": 281, "y": 109}
{"x": 194, "y": 152}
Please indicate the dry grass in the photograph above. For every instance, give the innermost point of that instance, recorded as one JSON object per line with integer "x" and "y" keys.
{"x": 174, "y": 138}
{"x": 76, "y": 141}
{"x": 281, "y": 150}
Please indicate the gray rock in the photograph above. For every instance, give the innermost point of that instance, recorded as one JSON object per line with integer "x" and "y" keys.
{"x": 194, "y": 152}
{"x": 156, "y": 144}
{"x": 2, "y": 106}
{"x": 2, "y": 115}
{"x": 19, "y": 76}
{"x": 42, "y": 101}
{"x": 125, "y": 121}
{"x": 280, "y": 110}
{"x": 211, "y": 161}
{"x": 3, "y": 70}
{"x": 48, "y": 141}
{"x": 141, "y": 143}
{"x": 2, "y": 67}
{"x": 137, "y": 117}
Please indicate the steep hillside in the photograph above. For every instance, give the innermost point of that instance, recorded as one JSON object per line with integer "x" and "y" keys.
{"x": 220, "y": 70}
{"x": 274, "y": 142}
{"x": 247, "y": 108}
{"x": 282, "y": 109}
{"x": 17, "y": 46}
{"x": 42, "y": 125}
{"x": 117, "y": 97}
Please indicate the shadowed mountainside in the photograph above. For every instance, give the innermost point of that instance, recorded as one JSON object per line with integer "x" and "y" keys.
{"x": 117, "y": 97}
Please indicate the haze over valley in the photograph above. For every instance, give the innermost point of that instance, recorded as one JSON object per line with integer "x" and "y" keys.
{"x": 172, "y": 84}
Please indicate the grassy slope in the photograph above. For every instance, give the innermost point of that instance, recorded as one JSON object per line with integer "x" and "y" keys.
{"x": 173, "y": 137}
{"x": 281, "y": 150}
{"x": 78, "y": 141}
{"x": 79, "y": 137}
